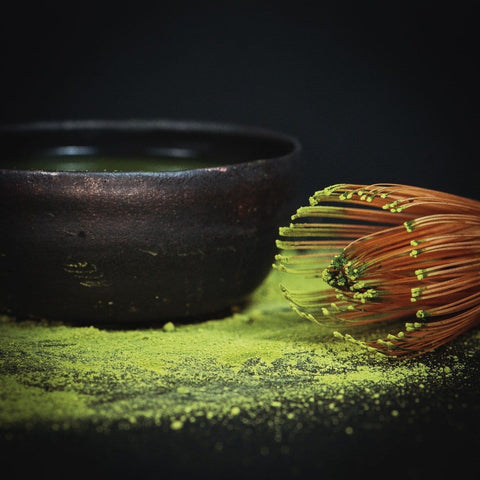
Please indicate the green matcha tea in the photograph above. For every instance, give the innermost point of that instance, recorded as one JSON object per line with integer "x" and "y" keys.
{"x": 108, "y": 163}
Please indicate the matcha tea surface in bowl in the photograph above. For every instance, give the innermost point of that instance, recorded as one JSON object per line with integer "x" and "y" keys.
{"x": 106, "y": 222}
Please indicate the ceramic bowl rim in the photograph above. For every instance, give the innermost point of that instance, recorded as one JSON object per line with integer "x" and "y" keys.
{"x": 211, "y": 128}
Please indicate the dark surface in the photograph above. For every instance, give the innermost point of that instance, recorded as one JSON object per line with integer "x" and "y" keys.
{"x": 95, "y": 247}
{"x": 436, "y": 436}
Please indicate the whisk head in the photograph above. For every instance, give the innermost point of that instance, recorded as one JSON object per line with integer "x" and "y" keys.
{"x": 376, "y": 254}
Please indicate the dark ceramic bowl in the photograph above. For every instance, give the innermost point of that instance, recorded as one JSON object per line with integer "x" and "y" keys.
{"x": 127, "y": 221}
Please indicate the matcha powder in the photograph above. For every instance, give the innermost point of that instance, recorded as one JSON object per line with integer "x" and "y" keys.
{"x": 260, "y": 367}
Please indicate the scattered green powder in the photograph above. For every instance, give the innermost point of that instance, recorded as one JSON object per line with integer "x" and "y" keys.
{"x": 265, "y": 359}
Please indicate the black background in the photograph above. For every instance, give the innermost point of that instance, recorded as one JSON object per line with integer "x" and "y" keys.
{"x": 375, "y": 91}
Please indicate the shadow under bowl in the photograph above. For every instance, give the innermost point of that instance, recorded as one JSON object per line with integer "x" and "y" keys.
{"x": 108, "y": 222}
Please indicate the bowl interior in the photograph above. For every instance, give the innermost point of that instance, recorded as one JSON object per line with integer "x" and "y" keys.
{"x": 134, "y": 146}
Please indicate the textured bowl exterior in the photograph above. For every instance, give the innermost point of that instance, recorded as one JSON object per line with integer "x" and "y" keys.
{"x": 100, "y": 247}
